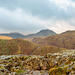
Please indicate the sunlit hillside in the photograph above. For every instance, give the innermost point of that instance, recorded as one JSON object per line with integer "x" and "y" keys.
{"x": 5, "y": 37}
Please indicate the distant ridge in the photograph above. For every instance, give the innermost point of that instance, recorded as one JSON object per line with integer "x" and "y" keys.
{"x": 42, "y": 33}
{"x": 13, "y": 35}
{"x": 69, "y": 31}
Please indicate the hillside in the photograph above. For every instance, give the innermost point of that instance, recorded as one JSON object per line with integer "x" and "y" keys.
{"x": 16, "y": 46}
{"x": 43, "y": 50}
{"x": 20, "y": 46}
{"x": 41, "y": 46}
{"x": 5, "y": 37}
{"x": 65, "y": 40}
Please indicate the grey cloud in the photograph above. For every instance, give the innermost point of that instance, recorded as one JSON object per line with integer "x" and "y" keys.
{"x": 41, "y": 8}
{"x": 11, "y": 22}
{"x": 72, "y": 0}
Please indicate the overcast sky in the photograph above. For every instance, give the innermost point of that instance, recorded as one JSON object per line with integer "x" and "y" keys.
{"x": 30, "y": 16}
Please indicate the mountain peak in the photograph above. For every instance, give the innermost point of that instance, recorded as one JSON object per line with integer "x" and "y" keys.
{"x": 46, "y": 32}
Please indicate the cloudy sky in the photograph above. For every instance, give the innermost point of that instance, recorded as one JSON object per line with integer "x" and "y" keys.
{"x": 30, "y": 16}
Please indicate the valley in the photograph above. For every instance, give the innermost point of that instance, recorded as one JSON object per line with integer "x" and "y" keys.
{"x": 48, "y": 55}
{"x": 37, "y": 37}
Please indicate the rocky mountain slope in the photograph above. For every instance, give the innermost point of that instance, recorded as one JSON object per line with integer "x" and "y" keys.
{"x": 61, "y": 63}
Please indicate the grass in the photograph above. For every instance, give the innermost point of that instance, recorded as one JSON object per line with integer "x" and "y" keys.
{"x": 20, "y": 71}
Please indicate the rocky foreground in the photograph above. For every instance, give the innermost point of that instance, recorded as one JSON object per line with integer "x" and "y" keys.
{"x": 62, "y": 63}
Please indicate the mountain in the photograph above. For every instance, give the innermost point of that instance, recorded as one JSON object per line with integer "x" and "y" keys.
{"x": 13, "y": 35}
{"x": 42, "y": 33}
{"x": 5, "y": 37}
{"x": 65, "y": 40}
{"x": 69, "y": 31}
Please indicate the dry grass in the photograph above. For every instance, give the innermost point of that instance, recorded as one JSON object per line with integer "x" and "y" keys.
{"x": 5, "y": 37}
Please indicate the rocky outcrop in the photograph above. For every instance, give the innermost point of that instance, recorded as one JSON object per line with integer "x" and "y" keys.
{"x": 56, "y": 63}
